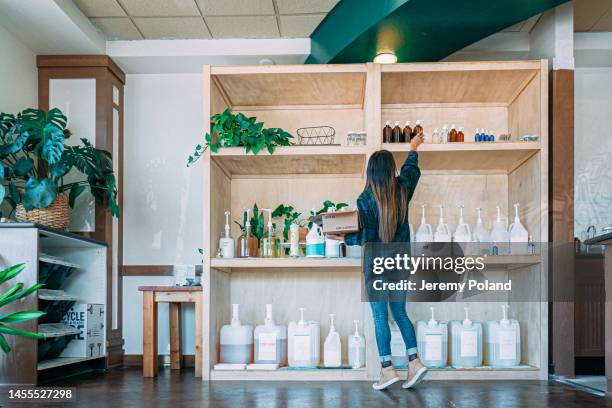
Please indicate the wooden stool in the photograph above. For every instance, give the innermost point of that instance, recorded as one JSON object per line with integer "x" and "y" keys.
{"x": 175, "y": 295}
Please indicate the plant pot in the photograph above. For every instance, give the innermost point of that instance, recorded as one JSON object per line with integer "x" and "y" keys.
{"x": 57, "y": 215}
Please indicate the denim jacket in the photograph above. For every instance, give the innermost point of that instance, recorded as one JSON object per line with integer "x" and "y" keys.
{"x": 368, "y": 211}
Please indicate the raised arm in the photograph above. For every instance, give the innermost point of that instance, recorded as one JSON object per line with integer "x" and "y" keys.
{"x": 410, "y": 172}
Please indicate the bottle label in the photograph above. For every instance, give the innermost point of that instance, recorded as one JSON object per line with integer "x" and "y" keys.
{"x": 267, "y": 347}
{"x": 433, "y": 347}
{"x": 398, "y": 348}
{"x": 301, "y": 348}
{"x": 507, "y": 345}
{"x": 315, "y": 250}
{"x": 469, "y": 344}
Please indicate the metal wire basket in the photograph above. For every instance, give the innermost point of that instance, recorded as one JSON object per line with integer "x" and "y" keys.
{"x": 316, "y": 135}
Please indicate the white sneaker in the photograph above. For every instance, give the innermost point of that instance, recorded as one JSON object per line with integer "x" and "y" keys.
{"x": 388, "y": 376}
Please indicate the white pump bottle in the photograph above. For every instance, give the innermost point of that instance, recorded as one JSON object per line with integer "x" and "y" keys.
{"x": 424, "y": 233}
{"x": 226, "y": 242}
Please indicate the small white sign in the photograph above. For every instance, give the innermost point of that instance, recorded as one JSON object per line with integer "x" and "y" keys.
{"x": 507, "y": 345}
{"x": 266, "y": 347}
{"x": 301, "y": 348}
{"x": 433, "y": 347}
{"x": 469, "y": 344}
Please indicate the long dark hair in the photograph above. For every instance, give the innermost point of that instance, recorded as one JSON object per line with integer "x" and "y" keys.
{"x": 389, "y": 194}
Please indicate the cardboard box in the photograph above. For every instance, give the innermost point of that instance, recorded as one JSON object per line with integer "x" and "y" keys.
{"x": 89, "y": 318}
{"x": 340, "y": 221}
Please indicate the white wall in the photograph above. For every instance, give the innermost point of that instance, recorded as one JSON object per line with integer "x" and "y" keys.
{"x": 162, "y": 197}
{"x": 593, "y": 148}
{"x": 18, "y": 75}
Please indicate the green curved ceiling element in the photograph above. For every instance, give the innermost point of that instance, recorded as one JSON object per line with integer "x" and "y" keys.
{"x": 415, "y": 30}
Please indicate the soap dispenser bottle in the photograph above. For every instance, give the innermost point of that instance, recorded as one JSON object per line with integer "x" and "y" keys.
{"x": 462, "y": 233}
{"x": 418, "y": 130}
{"x": 499, "y": 236}
{"x": 236, "y": 341}
{"x": 303, "y": 342}
{"x": 466, "y": 342}
{"x": 269, "y": 243}
{"x": 270, "y": 341}
{"x": 247, "y": 244}
{"x": 397, "y": 133}
{"x": 480, "y": 235}
{"x": 442, "y": 233}
{"x": 432, "y": 341}
{"x": 519, "y": 236}
{"x": 503, "y": 341}
{"x": 424, "y": 232}
{"x": 387, "y": 133}
{"x": 356, "y": 346}
{"x": 407, "y": 133}
{"x": 226, "y": 243}
{"x": 332, "y": 348}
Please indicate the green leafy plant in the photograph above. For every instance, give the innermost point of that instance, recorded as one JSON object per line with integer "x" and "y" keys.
{"x": 12, "y": 295}
{"x": 290, "y": 216}
{"x": 34, "y": 161}
{"x": 228, "y": 129}
{"x": 327, "y": 204}
{"x": 257, "y": 223}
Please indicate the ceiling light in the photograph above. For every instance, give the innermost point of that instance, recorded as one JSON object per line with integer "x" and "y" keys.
{"x": 385, "y": 58}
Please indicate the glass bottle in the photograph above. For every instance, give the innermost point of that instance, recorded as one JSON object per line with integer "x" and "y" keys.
{"x": 247, "y": 244}
{"x": 387, "y": 132}
{"x": 452, "y": 134}
{"x": 397, "y": 133}
{"x": 460, "y": 135}
{"x": 407, "y": 133}
{"x": 418, "y": 129}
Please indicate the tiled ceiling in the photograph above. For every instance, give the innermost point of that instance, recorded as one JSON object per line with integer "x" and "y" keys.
{"x": 205, "y": 19}
{"x": 592, "y": 15}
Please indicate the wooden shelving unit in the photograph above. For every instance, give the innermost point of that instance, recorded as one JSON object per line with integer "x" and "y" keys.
{"x": 503, "y": 97}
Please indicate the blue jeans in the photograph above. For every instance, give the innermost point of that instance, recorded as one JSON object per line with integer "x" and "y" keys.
{"x": 382, "y": 331}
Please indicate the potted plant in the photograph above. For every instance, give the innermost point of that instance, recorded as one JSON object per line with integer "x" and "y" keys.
{"x": 228, "y": 129}
{"x": 12, "y": 295}
{"x": 327, "y": 205}
{"x": 34, "y": 162}
{"x": 291, "y": 217}
{"x": 257, "y": 224}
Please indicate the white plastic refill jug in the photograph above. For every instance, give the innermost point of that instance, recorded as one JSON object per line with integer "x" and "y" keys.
{"x": 466, "y": 342}
{"x": 480, "y": 236}
{"x": 398, "y": 347}
{"x": 462, "y": 232}
{"x": 503, "y": 341}
{"x": 303, "y": 345}
{"x": 432, "y": 342}
{"x": 500, "y": 238}
{"x": 270, "y": 341}
{"x": 332, "y": 348}
{"x": 315, "y": 242}
{"x": 424, "y": 233}
{"x": 519, "y": 237}
{"x": 356, "y": 348}
{"x": 236, "y": 344}
{"x": 442, "y": 233}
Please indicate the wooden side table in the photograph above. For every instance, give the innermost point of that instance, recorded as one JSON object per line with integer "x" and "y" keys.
{"x": 174, "y": 295}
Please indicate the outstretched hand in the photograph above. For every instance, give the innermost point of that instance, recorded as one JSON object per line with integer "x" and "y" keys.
{"x": 416, "y": 142}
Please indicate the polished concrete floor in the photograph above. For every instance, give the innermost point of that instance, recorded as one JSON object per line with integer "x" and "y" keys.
{"x": 127, "y": 388}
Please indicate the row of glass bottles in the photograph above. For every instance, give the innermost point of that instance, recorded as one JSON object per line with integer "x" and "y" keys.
{"x": 275, "y": 345}
{"x": 398, "y": 135}
{"x": 466, "y": 338}
{"x": 500, "y": 237}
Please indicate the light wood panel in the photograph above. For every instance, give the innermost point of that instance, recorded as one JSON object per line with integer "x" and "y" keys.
{"x": 524, "y": 188}
{"x": 524, "y": 111}
{"x": 291, "y": 161}
{"x": 475, "y": 86}
{"x": 493, "y": 157}
{"x": 265, "y": 89}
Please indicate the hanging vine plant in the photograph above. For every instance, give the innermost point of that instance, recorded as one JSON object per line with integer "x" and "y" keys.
{"x": 229, "y": 129}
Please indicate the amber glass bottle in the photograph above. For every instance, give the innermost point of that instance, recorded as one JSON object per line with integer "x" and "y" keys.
{"x": 418, "y": 129}
{"x": 387, "y": 133}
{"x": 397, "y": 133}
{"x": 407, "y": 133}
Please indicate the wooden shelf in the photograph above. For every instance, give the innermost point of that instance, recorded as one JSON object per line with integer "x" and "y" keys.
{"x": 291, "y": 375}
{"x": 292, "y": 160}
{"x": 275, "y": 264}
{"x": 491, "y": 156}
{"x": 476, "y": 82}
{"x": 63, "y": 361}
{"x": 265, "y": 87}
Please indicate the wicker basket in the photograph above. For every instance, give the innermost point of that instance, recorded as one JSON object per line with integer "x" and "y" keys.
{"x": 57, "y": 215}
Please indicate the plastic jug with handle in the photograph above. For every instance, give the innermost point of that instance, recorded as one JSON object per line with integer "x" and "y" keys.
{"x": 519, "y": 237}
{"x": 503, "y": 339}
{"x": 442, "y": 233}
{"x": 432, "y": 341}
{"x": 303, "y": 342}
{"x": 270, "y": 341}
{"x": 462, "y": 232}
{"x": 500, "y": 239}
{"x": 236, "y": 342}
{"x": 332, "y": 348}
{"x": 424, "y": 232}
{"x": 466, "y": 342}
{"x": 356, "y": 348}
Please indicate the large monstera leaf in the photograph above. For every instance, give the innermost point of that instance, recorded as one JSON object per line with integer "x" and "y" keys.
{"x": 52, "y": 143}
{"x": 39, "y": 193}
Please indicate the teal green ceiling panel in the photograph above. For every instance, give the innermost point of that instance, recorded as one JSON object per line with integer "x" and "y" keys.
{"x": 415, "y": 30}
